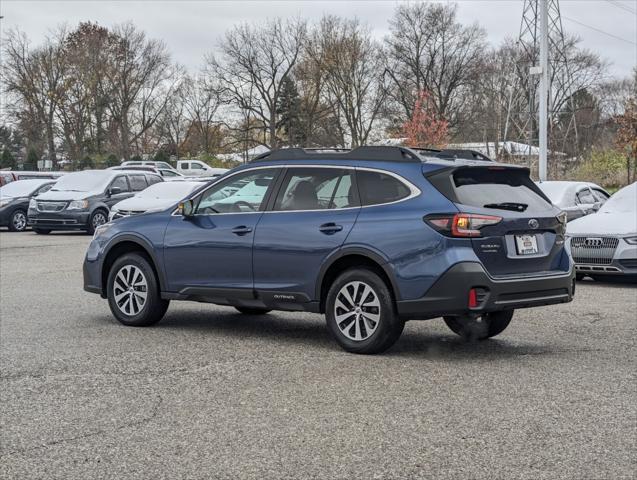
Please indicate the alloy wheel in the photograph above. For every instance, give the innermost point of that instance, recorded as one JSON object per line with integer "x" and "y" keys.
{"x": 19, "y": 221}
{"x": 357, "y": 311}
{"x": 98, "y": 219}
{"x": 130, "y": 290}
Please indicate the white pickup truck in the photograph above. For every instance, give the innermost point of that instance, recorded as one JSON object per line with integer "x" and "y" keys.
{"x": 197, "y": 168}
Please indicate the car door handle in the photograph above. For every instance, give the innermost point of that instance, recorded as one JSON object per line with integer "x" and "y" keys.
{"x": 242, "y": 230}
{"x": 330, "y": 228}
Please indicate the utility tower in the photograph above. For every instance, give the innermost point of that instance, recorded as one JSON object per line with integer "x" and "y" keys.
{"x": 525, "y": 114}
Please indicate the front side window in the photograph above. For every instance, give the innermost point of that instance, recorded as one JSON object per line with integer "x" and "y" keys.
{"x": 241, "y": 193}
{"x": 196, "y": 166}
{"x": 316, "y": 189}
{"x": 377, "y": 188}
{"x": 138, "y": 183}
{"x": 121, "y": 183}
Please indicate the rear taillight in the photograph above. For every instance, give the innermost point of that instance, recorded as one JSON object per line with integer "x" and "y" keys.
{"x": 461, "y": 224}
{"x": 562, "y": 219}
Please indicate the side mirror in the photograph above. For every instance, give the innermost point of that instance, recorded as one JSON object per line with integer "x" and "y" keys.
{"x": 187, "y": 208}
{"x": 114, "y": 190}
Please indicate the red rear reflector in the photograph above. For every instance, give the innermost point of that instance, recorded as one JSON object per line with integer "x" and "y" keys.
{"x": 473, "y": 298}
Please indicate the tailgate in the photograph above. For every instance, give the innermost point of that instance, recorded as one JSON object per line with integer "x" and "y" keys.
{"x": 528, "y": 238}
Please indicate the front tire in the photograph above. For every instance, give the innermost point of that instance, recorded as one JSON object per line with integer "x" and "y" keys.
{"x": 18, "y": 221}
{"x": 99, "y": 217}
{"x": 481, "y": 327}
{"x": 361, "y": 314}
{"x": 133, "y": 292}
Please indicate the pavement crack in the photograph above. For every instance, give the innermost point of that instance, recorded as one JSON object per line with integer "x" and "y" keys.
{"x": 133, "y": 423}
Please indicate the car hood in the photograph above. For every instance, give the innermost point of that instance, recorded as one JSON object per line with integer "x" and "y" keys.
{"x": 143, "y": 204}
{"x": 622, "y": 223}
{"x": 65, "y": 195}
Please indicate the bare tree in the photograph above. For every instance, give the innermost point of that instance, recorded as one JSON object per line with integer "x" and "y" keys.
{"x": 83, "y": 108}
{"x": 354, "y": 77}
{"x": 428, "y": 49}
{"x": 202, "y": 100}
{"x": 253, "y": 62}
{"x": 36, "y": 78}
{"x": 141, "y": 79}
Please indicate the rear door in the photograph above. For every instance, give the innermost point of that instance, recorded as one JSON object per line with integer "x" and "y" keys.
{"x": 311, "y": 216}
{"x": 528, "y": 238}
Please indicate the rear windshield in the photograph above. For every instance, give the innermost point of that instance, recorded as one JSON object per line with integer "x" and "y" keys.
{"x": 506, "y": 189}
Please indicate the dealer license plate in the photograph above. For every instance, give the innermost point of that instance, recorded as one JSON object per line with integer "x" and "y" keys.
{"x": 526, "y": 244}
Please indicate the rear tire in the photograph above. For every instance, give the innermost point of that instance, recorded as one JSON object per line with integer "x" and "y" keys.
{"x": 18, "y": 221}
{"x": 133, "y": 292}
{"x": 252, "y": 311}
{"x": 42, "y": 231}
{"x": 482, "y": 327}
{"x": 360, "y": 312}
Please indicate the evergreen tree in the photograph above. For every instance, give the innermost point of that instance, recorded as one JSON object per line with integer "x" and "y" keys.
{"x": 111, "y": 160}
{"x": 289, "y": 111}
{"x": 7, "y": 161}
{"x": 31, "y": 162}
{"x": 162, "y": 156}
{"x": 86, "y": 163}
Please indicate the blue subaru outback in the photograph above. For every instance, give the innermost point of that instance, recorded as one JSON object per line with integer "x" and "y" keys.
{"x": 370, "y": 237}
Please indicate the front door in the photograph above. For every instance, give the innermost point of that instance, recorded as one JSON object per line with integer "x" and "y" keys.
{"x": 213, "y": 249}
{"x": 314, "y": 211}
{"x": 123, "y": 190}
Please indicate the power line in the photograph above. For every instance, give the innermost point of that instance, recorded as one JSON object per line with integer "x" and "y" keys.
{"x": 598, "y": 30}
{"x": 622, "y": 6}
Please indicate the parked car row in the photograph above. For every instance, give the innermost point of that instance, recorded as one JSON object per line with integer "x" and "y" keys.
{"x": 187, "y": 168}
{"x": 601, "y": 233}
{"x": 8, "y": 176}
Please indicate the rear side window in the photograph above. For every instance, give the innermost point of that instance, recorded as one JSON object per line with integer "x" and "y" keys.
{"x": 316, "y": 189}
{"x": 138, "y": 183}
{"x": 376, "y": 188}
{"x": 585, "y": 196}
{"x": 484, "y": 187}
{"x": 152, "y": 179}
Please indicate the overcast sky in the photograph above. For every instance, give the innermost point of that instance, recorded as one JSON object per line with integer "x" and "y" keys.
{"x": 191, "y": 28}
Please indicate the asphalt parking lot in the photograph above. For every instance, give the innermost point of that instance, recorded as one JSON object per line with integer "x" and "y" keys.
{"x": 209, "y": 393}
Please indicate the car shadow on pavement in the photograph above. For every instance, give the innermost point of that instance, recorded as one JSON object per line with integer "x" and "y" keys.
{"x": 312, "y": 333}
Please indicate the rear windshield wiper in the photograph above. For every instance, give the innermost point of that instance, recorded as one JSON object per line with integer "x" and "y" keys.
{"x": 516, "y": 207}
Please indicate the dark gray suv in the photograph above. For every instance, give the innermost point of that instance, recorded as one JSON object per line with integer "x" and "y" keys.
{"x": 82, "y": 200}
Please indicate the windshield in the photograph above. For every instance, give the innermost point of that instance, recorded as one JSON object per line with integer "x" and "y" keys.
{"x": 168, "y": 190}
{"x": 83, "y": 181}
{"x": 624, "y": 201}
{"x": 21, "y": 188}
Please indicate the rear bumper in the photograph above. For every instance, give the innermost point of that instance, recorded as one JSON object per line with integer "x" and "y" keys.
{"x": 450, "y": 294}
{"x": 65, "y": 220}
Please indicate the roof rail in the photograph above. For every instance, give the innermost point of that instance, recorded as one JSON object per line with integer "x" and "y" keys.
{"x": 371, "y": 153}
